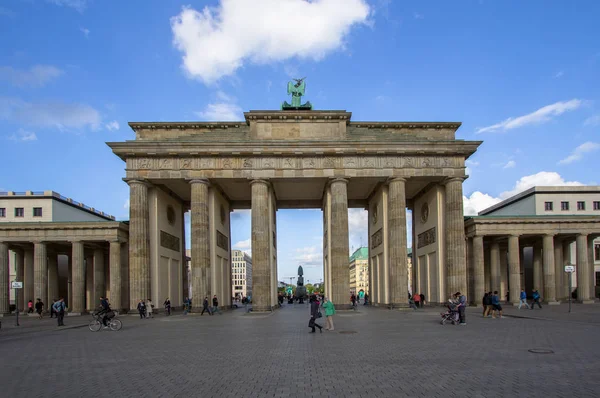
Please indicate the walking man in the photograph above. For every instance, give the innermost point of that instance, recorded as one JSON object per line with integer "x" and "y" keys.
{"x": 39, "y": 307}
{"x": 496, "y": 307}
{"x": 462, "y": 303}
{"x": 141, "y": 307}
{"x": 59, "y": 309}
{"x": 215, "y": 303}
{"x": 523, "y": 299}
{"x": 536, "y": 299}
{"x": 205, "y": 307}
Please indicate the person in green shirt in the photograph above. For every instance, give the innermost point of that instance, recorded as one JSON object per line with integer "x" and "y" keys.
{"x": 329, "y": 313}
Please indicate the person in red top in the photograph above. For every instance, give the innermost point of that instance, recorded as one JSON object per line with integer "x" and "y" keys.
{"x": 417, "y": 300}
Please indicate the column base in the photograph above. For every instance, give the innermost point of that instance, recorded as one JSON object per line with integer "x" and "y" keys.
{"x": 553, "y": 302}
{"x": 399, "y": 306}
{"x": 265, "y": 308}
{"x": 588, "y": 302}
{"x": 347, "y": 306}
{"x": 477, "y": 305}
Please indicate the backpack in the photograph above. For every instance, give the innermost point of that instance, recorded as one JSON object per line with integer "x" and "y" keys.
{"x": 57, "y": 306}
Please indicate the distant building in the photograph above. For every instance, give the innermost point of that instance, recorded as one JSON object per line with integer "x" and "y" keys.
{"x": 359, "y": 270}
{"x": 241, "y": 274}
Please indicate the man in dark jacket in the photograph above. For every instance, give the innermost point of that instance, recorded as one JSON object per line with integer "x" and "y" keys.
{"x": 205, "y": 307}
{"x": 59, "y": 308}
{"x": 314, "y": 310}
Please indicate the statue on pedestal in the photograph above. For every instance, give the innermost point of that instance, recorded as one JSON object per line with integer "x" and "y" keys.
{"x": 300, "y": 289}
{"x": 297, "y": 91}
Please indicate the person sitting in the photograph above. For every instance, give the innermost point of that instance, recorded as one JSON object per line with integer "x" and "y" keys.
{"x": 104, "y": 310}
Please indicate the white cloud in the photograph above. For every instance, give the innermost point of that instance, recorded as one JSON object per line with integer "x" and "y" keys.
{"x": 479, "y": 201}
{"x": 592, "y": 121}
{"x": 309, "y": 256}
{"x": 418, "y": 16}
{"x": 559, "y": 74}
{"x": 221, "y": 111}
{"x": 217, "y": 41}
{"x": 49, "y": 114}
{"x": 36, "y": 76}
{"x": 244, "y": 245}
{"x": 358, "y": 223}
{"x": 79, "y": 5}
{"x": 510, "y": 164}
{"x": 23, "y": 136}
{"x": 581, "y": 150}
{"x": 126, "y": 205}
{"x": 86, "y": 32}
{"x": 542, "y": 115}
{"x": 112, "y": 126}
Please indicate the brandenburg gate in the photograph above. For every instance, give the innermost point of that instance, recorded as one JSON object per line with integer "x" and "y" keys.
{"x": 296, "y": 158}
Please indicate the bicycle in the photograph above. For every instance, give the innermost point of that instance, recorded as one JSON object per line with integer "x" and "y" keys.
{"x": 96, "y": 324}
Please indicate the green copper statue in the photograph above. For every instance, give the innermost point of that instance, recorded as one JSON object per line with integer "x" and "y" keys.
{"x": 297, "y": 91}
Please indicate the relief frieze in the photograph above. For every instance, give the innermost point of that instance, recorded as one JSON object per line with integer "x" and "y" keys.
{"x": 165, "y": 163}
{"x": 222, "y": 241}
{"x": 426, "y": 238}
{"x": 186, "y": 163}
{"x": 377, "y": 238}
{"x": 169, "y": 241}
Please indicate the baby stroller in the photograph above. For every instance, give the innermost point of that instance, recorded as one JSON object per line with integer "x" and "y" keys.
{"x": 451, "y": 315}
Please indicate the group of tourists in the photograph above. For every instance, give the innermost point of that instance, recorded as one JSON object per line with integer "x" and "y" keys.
{"x": 356, "y": 298}
{"x": 491, "y": 305}
{"x": 535, "y": 295}
{"x": 416, "y": 300}
{"x": 316, "y": 304}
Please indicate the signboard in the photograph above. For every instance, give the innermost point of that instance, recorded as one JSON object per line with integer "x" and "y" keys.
{"x": 569, "y": 268}
{"x": 16, "y": 285}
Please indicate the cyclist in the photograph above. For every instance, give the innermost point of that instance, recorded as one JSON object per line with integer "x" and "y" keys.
{"x": 104, "y": 311}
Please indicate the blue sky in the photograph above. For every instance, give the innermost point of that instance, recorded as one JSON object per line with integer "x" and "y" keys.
{"x": 524, "y": 77}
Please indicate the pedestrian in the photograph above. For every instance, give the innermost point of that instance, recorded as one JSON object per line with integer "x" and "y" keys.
{"x": 167, "y": 305}
{"x": 366, "y": 299}
{"x": 417, "y": 300}
{"x": 536, "y": 299}
{"x": 150, "y": 308}
{"x": 462, "y": 304}
{"x": 496, "y": 307}
{"x": 30, "y": 307}
{"x": 484, "y": 301}
{"x": 353, "y": 300}
{"x": 422, "y": 299}
{"x": 314, "y": 314}
{"x": 205, "y": 306}
{"x": 215, "y": 307}
{"x": 52, "y": 312}
{"x": 411, "y": 302}
{"x": 141, "y": 307}
{"x": 59, "y": 309}
{"x": 507, "y": 296}
{"x": 523, "y": 299}
{"x": 39, "y": 307}
{"x": 329, "y": 313}
{"x": 488, "y": 307}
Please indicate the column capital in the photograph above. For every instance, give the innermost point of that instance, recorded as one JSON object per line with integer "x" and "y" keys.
{"x": 204, "y": 181}
{"x": 550, "y": 234}
{"x": 39, "y": 242}
{"x": 584, "y": 234}
{"x": 448, "y": 180}
{"x": 259, "y": 181}
{"x": 116, "y": 241}
{"x": 338, "y": 179}
{"x": 395, "y": 179}
{"x": 133, "y": 181}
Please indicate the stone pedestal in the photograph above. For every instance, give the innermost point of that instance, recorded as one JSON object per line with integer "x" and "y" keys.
{"x": 77, "y": 304}
{"x": 115, "y": 298}
{"x": 4, "y": 282}
{"x": 139, "y": 234}
{"x": 514, "y": 269}
{"x": 40, "y": 272}
{"x": 456, "y": 267}
{"x": 261, "y": 264}
{"x": 340, "y": 277}
{"x": 398, "y": 273}
{"x": 200, "y": 243}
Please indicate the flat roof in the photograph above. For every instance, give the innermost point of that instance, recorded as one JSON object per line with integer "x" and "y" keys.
{"x": 539, "y": 190}
{"x": 55, "y": 196}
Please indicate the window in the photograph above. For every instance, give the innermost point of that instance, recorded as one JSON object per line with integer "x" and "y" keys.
{"x": 564, "y": 205}
{"x": 2, "y": 212}
{"x": 548, "y": 206}
{"x": 580, "y": 205}
{"x": 37, "y": 211}
{"x": 597, "y": 253}
{"x": 596, "y": 205}
{"x": 19, "y": 212}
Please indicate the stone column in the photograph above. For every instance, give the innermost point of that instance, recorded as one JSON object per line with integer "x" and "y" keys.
{"x": 340, "y": 289}
{"x": 185, "y": 289}
{"x": 398, "y": 285}
{"x": 503, "y": 271}
{"x": 40, "y": 271}
{"x": 559, "y": 269}
{"x": 591, "y": 269}
{"x": 538, "y": 275}
{"x": 583, "y": 274}
{"x": 261, "y": 264}
{"x": 69, "y": 299}
{"x": 4, "y": 279}
{"x": 139, "y": 242}
{"x": 200, "y": 243}
{"x": 99, "y": 277}
{"x": 549, "y": 279}
{"x": 478, "y": 269}
{"x": 115, "y": 275}
{"x": 20, "y": 266}
{"x": 52, "y": 278}
{"x": 495, "y": 267}
{"x": 456, "y": 268}
{"x": 28, "y": 286}
{"x": 77, "y": 302}
{"x": 514, "y": 269}
{"x": 566, "y": 247}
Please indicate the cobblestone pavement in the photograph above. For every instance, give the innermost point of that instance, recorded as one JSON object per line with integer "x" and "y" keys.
{"x": 391, "y": 354}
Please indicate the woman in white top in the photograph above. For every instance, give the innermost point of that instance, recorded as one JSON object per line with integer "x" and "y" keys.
{"x": 149, "y": 308}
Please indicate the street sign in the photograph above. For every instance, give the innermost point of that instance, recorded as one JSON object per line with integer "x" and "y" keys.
{"x": 16, "y": 285}
{"x": 569, "y": 268}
